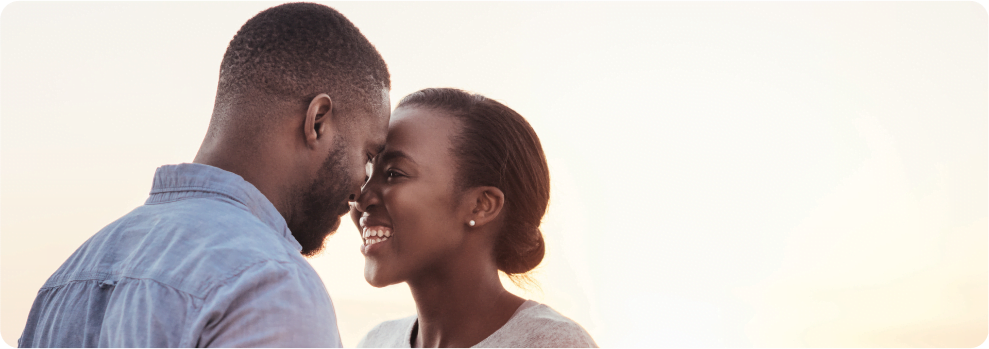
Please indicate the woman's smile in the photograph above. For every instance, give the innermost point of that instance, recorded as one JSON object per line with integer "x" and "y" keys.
{"x": 372, "y": 236}
{"x": 373, "y": 232}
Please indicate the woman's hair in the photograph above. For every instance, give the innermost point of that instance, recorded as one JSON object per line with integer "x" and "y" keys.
{"x": 497, "y": 147}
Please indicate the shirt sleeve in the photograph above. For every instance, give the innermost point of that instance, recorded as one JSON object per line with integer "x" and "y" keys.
{"x": 270, "y": 304}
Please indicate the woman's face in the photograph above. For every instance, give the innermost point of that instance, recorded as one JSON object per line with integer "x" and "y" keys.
{"x": 408, "y": 212}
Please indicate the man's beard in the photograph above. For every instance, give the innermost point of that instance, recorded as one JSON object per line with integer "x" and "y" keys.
{"x": 322, "y": 204}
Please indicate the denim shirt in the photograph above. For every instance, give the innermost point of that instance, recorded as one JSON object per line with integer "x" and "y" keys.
{"x": 207, "y": 261}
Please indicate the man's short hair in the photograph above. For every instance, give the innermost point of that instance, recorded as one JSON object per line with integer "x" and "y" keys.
{"x": 293, "y": 52}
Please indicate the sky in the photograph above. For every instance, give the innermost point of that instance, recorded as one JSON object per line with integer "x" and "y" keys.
{"x": 724, "y": 174}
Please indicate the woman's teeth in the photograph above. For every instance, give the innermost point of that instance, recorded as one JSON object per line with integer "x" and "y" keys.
{"x": 375, "y": 235}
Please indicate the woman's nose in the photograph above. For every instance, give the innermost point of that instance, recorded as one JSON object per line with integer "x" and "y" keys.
{"x": 364, "y": 199}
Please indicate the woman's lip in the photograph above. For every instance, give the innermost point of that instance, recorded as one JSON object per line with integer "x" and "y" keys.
{"x": 366, "y": 250}
{"x": 367, "y": 221}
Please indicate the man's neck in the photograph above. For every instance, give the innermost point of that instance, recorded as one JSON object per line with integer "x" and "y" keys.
{"x": 260, "y": 168}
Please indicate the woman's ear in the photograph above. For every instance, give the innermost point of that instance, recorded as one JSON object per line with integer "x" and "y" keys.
{"x": 488, "y": 202}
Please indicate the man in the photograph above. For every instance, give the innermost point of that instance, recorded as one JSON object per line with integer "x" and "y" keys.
{"x": 213, "y": 257}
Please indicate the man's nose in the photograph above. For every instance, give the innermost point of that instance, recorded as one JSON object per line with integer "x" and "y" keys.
{"x": 355, "y": 193}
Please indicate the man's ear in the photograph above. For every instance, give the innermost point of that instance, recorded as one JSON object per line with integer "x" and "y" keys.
{"x": 488, "y": 202}
{"x": 318, "y": 118}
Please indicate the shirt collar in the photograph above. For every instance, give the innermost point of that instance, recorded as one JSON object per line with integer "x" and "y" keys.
{"x": 187, "y": 179}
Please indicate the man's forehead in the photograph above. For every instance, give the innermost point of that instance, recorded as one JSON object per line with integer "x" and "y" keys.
{"x": 384, "y": 109}
{"x": 381, "y": 119}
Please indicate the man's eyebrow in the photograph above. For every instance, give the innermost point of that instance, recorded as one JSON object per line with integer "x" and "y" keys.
{"x": 392, "y": 154}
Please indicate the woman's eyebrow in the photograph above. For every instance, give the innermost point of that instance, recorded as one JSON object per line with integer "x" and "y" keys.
{"x": 393, "y": 154}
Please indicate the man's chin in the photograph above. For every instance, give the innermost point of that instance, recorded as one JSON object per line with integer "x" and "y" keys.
{"x": 313, "y": 246}
{"x": 310, "y": 251}
{"x": 333, "y": 229}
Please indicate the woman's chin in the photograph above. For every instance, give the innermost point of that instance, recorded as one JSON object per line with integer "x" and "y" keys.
{"x": 374, "y": 278}
{"x": 374, "y": 282}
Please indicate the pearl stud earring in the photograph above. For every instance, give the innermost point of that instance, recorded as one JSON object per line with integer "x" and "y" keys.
{"x": 471, "y": 222}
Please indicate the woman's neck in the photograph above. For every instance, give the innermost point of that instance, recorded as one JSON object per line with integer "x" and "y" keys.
{"x": 462, "y": 308}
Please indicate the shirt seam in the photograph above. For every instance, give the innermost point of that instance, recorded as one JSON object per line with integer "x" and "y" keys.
{"x": 191, "y": 189}
{"x": 201, "y": 294}
{"x": 192, "y": 198}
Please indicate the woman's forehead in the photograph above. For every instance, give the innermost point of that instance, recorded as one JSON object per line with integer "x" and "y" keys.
{"x": 420, "y": 132}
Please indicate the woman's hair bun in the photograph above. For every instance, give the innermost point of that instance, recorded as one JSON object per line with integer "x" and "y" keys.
{"x": 519, "y": 257}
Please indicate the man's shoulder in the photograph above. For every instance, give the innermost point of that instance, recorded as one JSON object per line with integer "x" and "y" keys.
{"x": 215, "y": 224}
{"x": 194, "y": 264}
{"x": 193, "y": 246}
{"x": 216, "y": 241}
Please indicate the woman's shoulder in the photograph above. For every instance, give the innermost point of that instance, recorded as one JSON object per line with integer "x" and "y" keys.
{"x": 389, "y": 334}
{"x": 537, "y": 325}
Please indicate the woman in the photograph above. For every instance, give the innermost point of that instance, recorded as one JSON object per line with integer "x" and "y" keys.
{"x": 458, "y": 194}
